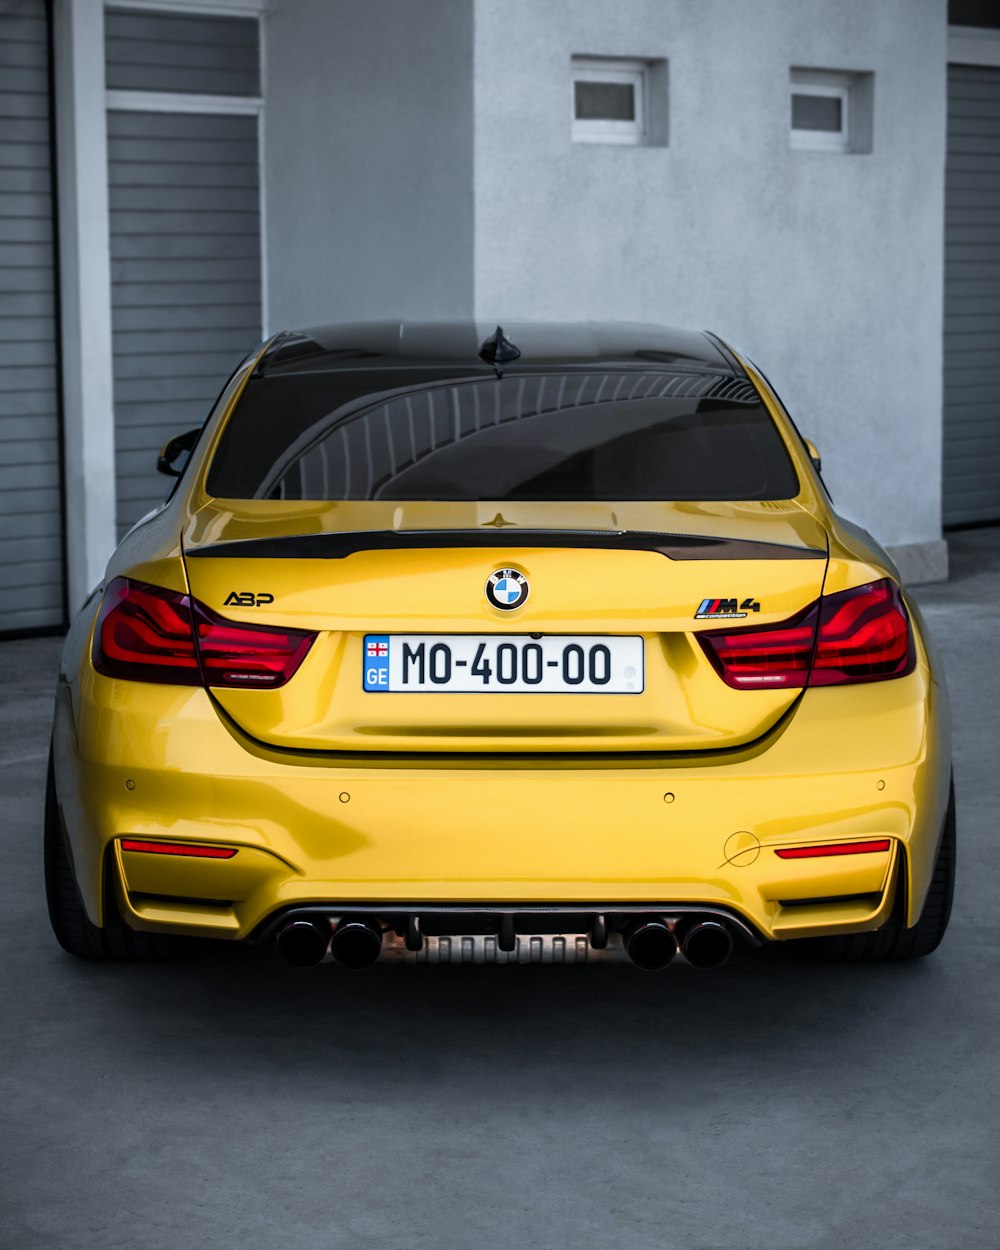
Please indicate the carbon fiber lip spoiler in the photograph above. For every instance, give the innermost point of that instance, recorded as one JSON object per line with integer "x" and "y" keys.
{"x": 340, "y": 545}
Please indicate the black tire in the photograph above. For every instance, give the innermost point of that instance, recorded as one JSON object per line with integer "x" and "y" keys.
{"x": 74, "y": 931}
{"x": 894, "y": 941}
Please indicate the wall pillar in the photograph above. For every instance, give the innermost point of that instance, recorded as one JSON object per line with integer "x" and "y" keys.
{"x": 85, "y": 294}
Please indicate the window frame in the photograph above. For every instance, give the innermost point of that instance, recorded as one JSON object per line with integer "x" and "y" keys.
{"x": 608, "y": 130}
{"x": 804, "y": 84}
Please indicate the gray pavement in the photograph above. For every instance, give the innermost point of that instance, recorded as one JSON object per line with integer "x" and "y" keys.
{"x": 229, "y": 1101}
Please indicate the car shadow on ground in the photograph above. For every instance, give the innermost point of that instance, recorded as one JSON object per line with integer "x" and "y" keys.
{"x": 246, "y": 1004}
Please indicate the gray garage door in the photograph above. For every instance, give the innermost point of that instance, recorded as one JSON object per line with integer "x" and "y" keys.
{"x": 185, "y": 271}
{"x": 972, "y": 297}
{"x": 31, "y": 569}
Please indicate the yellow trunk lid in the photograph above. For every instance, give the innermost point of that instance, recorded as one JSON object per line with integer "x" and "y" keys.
{"x": 347, "y": 570}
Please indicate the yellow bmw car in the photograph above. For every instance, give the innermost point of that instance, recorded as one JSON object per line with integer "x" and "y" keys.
{"x": 525, "y": 644}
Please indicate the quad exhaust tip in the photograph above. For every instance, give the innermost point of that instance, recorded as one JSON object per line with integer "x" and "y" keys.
{"x": 707, "y": 944}
{"x": 650, "y": 944}
{"x": 302, "y": 943}
{"x": 356, "y": 944}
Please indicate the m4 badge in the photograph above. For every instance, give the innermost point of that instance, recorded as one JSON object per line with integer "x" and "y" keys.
{"x": 248, "y": 599}
{"x": 725, "y": 609}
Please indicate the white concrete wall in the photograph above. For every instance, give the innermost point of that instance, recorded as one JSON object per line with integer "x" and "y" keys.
{"x": 827, "y": 269}
{"x": 368, "y": 160}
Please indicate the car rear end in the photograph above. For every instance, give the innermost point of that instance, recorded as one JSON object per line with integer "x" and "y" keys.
{"x": 420, "y": 659}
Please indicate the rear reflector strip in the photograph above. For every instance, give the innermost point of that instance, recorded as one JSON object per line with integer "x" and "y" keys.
{"x": 179, "y": 848}
{"x": 833, "y": 848}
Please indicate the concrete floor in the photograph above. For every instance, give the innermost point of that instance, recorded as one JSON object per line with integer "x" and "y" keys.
{"x": 230, "y": 1101}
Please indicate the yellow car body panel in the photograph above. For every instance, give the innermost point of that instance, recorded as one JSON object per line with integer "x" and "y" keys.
{"x": 682, "y": 794}
{"x": 157, "y": 762}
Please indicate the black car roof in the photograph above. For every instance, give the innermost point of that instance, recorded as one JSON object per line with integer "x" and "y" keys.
{"x": 457, "y": 344}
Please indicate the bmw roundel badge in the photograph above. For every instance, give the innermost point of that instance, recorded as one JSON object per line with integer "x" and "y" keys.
{"x": 506, "y": 589}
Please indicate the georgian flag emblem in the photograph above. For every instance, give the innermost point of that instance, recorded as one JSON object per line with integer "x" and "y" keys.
{"x": 507, "y": 589}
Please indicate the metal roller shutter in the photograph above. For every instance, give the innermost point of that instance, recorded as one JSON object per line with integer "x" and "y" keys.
{"x": 972, "y": 297}
{"x": 185, "y": 269}
{"x": 148, "y": 51}
{"x": 31, "y": 552}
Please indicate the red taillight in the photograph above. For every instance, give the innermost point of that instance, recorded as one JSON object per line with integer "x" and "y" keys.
{"x": 864, "y": 635}
{"x": 855, "y": 635}
{"x": 146, "y": 633}
{"x": 775, "y": 656}
{"x": 254, "y": 656}
{"x": 833, "y": 848}
{"x": 179, "y": 848}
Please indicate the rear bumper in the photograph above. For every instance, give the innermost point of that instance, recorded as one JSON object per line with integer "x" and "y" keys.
{"x": 660, "y": 833}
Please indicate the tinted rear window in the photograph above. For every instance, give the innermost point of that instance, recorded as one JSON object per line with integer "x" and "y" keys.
{"x": 629, "y": 435}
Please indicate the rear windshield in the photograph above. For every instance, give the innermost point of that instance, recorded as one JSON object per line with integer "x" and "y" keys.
{"x": 631, "y": 435}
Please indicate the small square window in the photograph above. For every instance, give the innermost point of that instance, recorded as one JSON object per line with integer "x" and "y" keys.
{"x": 609, "y": 102}
{"x": 604, "y": 101}
{"x": 820, "y": 112}
{"x": 831, "y": 111}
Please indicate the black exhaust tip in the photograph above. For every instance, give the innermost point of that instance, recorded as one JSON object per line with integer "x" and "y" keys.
{"x": 356, "y": 944}
{"x": 707, "y": 944}
{"x": 302, "y": 943}
{"x": 650, "y": 944}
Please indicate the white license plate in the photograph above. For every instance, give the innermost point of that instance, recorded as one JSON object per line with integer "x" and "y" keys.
{"x": 502, "y": 664}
